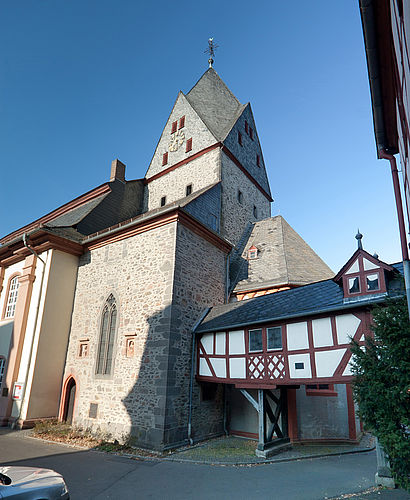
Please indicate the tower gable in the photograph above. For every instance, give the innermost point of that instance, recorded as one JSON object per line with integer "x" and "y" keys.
{"x": 183, "y": 136}
{"x": 243, "y": 142}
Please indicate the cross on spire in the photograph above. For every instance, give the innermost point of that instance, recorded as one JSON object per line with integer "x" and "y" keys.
{"x": 211, "y": 51}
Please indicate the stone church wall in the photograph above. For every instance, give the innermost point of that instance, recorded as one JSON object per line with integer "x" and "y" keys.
{"x": 199, "y": 282}
{"x": 138, "y": 271}
{"x": 236, "y": 215}
{"x": 201, "y": 172}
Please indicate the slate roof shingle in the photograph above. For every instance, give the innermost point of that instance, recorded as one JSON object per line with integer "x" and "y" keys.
{"x": 303, "y": 301}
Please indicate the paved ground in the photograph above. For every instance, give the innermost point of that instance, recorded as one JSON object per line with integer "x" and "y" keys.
{"x": 94, "y": 475}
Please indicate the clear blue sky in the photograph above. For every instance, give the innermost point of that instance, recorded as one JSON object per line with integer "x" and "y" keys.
{"x": 85, "y": 81}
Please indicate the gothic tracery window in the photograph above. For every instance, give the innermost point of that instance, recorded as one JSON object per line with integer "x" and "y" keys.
{"x": 107, "y": 336}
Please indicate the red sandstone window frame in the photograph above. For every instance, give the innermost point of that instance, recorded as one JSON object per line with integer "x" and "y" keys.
{"x": 328, "y": 392}
{"x": 181, "y": 122}
{"x": 251, "y": 133}
{"x": 246, "y": 127}
{"x": 258, "y": 160}
{"x": 174, "y": 127}
{"x": 165, "y": 159}
{"x": 188, "y": 145}
{"x": 7, "y": 298}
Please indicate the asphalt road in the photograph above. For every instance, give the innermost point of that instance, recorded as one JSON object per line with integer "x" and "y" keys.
{"x": 95, "y": 475}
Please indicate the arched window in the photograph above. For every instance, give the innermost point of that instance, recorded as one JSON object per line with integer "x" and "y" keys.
{"x": 107, "y": 335}
{"x": 12, "y": 297}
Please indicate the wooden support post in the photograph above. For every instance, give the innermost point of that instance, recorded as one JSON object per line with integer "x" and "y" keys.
{"x": 284, "y": 399}
{"x": 261, "y": 419}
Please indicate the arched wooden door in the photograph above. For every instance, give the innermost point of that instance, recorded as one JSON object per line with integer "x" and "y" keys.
{"x": 69, "y": 401}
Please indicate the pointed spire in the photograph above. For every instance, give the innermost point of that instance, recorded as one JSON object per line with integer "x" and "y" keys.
{"x": 359, "y": 237}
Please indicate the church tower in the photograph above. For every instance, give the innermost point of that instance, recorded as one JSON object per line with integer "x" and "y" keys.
{"x": 210, "y": 140}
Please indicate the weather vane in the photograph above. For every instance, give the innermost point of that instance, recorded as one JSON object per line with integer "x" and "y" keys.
{"x": 211, "y": 51}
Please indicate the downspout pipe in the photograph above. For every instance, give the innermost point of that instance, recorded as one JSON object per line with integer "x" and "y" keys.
{"x": 399, "y": 206}
{"x": 191, "y": 380}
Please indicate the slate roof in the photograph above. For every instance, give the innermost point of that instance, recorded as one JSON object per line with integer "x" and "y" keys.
{"x": 77, "y": 214}
{"x": 314, "y": 298}
{"x": 284, "y": 258}
{"x": 215, "y": 104}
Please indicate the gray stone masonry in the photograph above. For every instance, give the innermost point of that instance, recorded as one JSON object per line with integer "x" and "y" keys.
{"x": 162, "y": 281}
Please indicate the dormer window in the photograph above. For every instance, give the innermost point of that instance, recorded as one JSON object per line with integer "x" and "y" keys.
{"x": 252, "y": 253}
{"x": 363, "y": 275}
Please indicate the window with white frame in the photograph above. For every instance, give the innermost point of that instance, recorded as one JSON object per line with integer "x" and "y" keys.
{"x": 12, "y": 297}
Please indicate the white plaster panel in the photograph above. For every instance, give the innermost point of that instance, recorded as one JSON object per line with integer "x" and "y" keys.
{"x": 237, "y": 368}
{"x": 322, "y": 332}
{"x": 204, "y": 368}
{"x": 219, "y": 366}
{"x": 237, "y": 342}
{"x": 297, "y": 336}
{"x": 207, "y": 342}
{"x": 305, "y": 372}
{"x": 354, "y": 268}
{"x": 346, "y": 326}
{"x": 328, "y": 361}
{"x": 369, "y": 265}
{"x": 220, "y": 343}
{"x": 348, "y": 369}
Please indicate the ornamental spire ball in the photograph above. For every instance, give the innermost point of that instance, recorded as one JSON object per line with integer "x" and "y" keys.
{"x": 211, "y": 51}
{"x": 359, "y": 237}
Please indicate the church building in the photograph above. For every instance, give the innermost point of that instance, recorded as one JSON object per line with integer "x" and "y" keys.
{"x": 174, "y": 308}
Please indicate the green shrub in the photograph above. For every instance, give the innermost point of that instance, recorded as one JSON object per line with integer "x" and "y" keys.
{"x": 382, "y": 385}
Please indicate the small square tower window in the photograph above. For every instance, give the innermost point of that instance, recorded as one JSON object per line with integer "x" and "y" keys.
{"x": 163, "y": 201}
{"x": 174, "y": 127}
{"x": 188, "y": 145}
{"x": 239, "y": 138}
{"x": 188, "y": 190}
{"x": 182, "y": 122}
{"x": 164, "y": 159}
{"x": 240, "y": 196}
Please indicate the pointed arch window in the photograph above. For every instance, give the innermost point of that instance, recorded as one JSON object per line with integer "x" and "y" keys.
{"x": 107, "y": 336}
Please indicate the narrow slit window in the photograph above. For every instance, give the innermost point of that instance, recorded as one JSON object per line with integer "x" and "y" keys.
{"x": 255, "y": 212}
{"x": 240, "y": 196}
{"x": 246, "y": 127}
{"x": 255, "y": 340}
{"x": 188, "y": 145}
{"x": 188, "y": 190}
{"x": 239, "y": 138}
{"x": 251, "y": 132}
{"x": 174, "y": 127}
{"x": 164, "y": 159}
{"x": 163, "y": 201}
{"x": 258, "y": 160}
{"x": 182, "y": 122}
